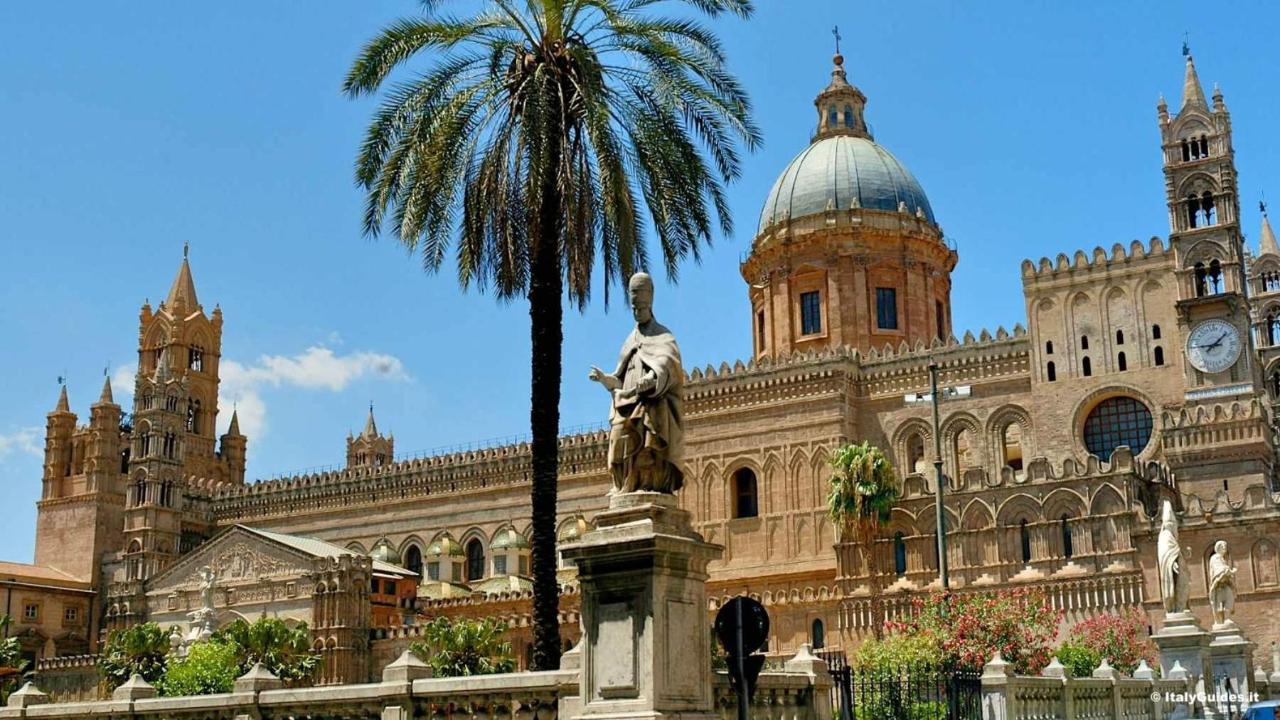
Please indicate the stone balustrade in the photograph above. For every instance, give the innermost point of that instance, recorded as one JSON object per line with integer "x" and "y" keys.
{"x": 1107, "y": 695}
{"x": 801, "y": 691}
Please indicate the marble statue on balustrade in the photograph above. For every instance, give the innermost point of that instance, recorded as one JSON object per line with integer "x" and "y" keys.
{"x": 1222, "y": 584}
{"x": 203, "y": 619}
{"x": 646, "y": 435}
{"x": 1172, "y": 561}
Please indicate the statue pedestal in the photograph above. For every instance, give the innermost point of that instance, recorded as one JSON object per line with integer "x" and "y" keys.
{"x": 1183, "y": 642}
{"x": 1232, "y": 660}
{"x": 646, "y": 649}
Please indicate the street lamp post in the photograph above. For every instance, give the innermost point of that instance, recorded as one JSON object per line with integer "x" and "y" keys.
{"x": 934, "y": 400}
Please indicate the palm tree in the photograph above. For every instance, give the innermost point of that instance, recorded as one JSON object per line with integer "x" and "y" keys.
{"x": 542, "y": 133}
{"x": 284, "y": 650}
{"x": 864, "y": 489}
{"x": 141, "y": 649}
{"x": 454, "y": 648}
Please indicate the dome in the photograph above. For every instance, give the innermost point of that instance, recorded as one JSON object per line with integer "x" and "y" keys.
{"x": 509, "y": 538}
{"x": 444, "y": 545}
{"x": 840, "y": 172}
{"x": 383, "y": 552}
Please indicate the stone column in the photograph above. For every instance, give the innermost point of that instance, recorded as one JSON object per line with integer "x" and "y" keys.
{"x": 1231, "y": 656}
{"x": 646, "y": 649}
{"x": 1183, "y": 642}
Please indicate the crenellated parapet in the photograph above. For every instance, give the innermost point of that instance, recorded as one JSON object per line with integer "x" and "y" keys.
{"x": 1137, "y": 256}
{"x": 451, "y": 473}
{"x": 1240, "y": 427}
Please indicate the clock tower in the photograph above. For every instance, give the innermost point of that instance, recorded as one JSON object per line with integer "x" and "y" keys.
{"x": 1223, "y": 380}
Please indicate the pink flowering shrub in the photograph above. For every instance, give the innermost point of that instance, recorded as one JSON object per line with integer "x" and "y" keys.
{"x": 1120, "y": 638}
{"x": 969, "y": 629}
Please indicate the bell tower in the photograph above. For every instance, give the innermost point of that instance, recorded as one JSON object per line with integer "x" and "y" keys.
{"x": 1222, "y": 430}
{"x": 174, "y": 455}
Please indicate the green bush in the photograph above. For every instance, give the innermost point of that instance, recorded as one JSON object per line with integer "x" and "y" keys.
{"x": 898, "y": 650}
{"x": 285, "y": 651}
{"x": 141, "y": 649}
{"x": 1080, "y": 661}
{"x": 209, "y": 667}
{"x": 452, "y": 648}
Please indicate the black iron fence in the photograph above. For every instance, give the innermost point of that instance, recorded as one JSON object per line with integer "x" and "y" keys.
{"x": 907, "y": 692}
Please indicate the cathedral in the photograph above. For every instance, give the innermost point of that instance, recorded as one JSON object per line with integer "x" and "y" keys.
{"x": 1143, "y": 373}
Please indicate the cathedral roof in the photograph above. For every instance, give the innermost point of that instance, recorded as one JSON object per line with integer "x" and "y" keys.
{"x": 1267, "y": 245}
{"x": 1192, "y": 92}
{"x": 843, "y": 167}
{"x": 183, "y": 291}
{"x": 320, "y": 548}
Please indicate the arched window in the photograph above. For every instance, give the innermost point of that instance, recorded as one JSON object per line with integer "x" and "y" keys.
{"x": 817, "y": 635}
{"x": 1084, "y": 342}
{"x": 963, "y": 449}
{"x": 1186, "y": 151}
{"x": 1204, "y": 146}
{"x": 1114, "y": 422}
{"x": 1011, "y": 446}
{"x": 1051, "y": 372}
{"x": 1214, "y": 278}
{"x": 915, "y": 453}
{"x": 1208, "y": 209}
{"x": 1119, "y": 337}
{"x": 1048, "y": 347}
{"x": 193, "y": 415}
{"x": 1275, "y": 383}
{"x": 1155, "y": 332}
{"x": 1273, "y": 328}
{"x": 475, "y": 560}
{"x": 1159, "y": 354}
{"x": 833, "y": 117}
{"x": 899, "y": 554}
{"x": 413, "y": 559}
{"x": 745, "y": 494}
{"x": 848, "y": 116}
{"x": 1086, "y": 367}
{"x": 1068, "y": 549}
{"x": 1121, "y": 365}
{"x": 1193, "y": 211}
{"x": 1271, "y": 282}
{"x": 1024, "y": 536}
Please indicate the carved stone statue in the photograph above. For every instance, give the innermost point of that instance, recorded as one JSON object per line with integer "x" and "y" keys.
{"x": 207, "y": 578}
{"x": 646, "y": 435}
{"x": 1174, "y": 578}
{"x": 1222, "y": 584}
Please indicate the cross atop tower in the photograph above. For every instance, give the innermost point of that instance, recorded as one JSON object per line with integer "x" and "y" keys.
{"x": 835, "y": 31}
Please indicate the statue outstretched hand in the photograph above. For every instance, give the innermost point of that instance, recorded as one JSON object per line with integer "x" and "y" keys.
{"x": 609, "y": 382}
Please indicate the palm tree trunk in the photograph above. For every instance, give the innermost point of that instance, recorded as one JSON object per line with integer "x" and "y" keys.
{"x": 546, "y": 290}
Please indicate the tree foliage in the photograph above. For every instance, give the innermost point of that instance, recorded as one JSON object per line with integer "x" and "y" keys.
{"x": 141, "y": 649}
{"x": 546, "y": 136}
{"x": 285, "y": 651}
{"x": 1121, "y": 638}
{"x": 864, "y": 489}
{"x": 209, "y": 667}
{"x": 454, "y": 648}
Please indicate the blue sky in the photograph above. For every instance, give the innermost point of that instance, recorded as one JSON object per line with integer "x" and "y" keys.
{"x": 129, "y": 128}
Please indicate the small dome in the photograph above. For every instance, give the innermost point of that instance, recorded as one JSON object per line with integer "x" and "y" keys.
{"x": 841, "y": 172}
{"x": 445, "y": 545}
{"x": 575, "y": 529}
{"x": 383, "y": 552}
{"x": 509, "y": 538}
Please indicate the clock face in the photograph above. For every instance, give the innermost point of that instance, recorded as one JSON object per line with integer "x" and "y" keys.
{"x": 1213, "y": 346}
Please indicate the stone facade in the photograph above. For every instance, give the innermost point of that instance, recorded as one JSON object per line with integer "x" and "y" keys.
{"x": 1079, "y": 422}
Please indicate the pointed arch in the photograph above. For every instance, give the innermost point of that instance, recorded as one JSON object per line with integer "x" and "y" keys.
{"x": 1106, "y": 501}
{"x": 911, "y": 443}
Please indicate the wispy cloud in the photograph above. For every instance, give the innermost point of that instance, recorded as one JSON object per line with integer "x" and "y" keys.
{"x": 27, "y": 440}
{"x": 316, "y": 368}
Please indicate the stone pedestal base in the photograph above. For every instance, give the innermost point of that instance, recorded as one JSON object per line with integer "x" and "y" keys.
{"x": 646, "y": 649}
{"x": 1184, "y": 643}
{"x": 1232, "y": 662}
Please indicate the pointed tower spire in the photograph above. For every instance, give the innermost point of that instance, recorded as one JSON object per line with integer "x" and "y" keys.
{"x": 234, "y": 428}
{"x": 1267, "y": 245}
{"x": 182, "y": 294}
{"x": 370, "y": 427}
{"x": 63, "y": 405}
{"x": 105, "y": 398}
{"x": 1192, "y": 92}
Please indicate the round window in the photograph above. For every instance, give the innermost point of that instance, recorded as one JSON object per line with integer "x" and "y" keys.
{"x": 1114, "y": 422}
